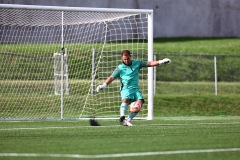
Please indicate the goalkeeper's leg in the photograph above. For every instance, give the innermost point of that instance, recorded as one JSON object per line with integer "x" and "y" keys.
{"x": 126, "y": 100}
{"x": 123, "y": 109}
{"x": 133, "y": 114}
{"x": 138, "y": 97}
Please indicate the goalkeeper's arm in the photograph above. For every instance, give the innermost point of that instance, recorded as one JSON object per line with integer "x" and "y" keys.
{"x": 156, "y": 63}
{"x": 105, "y": 84}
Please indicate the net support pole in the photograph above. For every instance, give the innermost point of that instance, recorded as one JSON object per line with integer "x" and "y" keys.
{"x": 93, "y": 69}
{"x": 215, "y": 71}
{"x": 150, "y": 69}
{"x": 154, "y": 74}
{"x": 62, "y": 73}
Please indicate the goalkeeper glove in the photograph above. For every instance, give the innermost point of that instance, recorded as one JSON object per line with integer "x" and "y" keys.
{"x": 100, "y": 87}
{"x": 164, "y": 61}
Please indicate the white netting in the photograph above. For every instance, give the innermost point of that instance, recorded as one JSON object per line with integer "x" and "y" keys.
{"x": 31, "y": 41}
{"x": 54, "y": 18}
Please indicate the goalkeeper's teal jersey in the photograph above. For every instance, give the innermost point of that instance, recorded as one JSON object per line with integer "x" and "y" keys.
{"x": 129, "y": 74}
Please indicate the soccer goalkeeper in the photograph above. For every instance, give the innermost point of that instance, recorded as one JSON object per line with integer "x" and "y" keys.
{"x": 128, "y": 72}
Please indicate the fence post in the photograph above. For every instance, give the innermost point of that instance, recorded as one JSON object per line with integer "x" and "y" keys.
{"x": 215, "y": 71}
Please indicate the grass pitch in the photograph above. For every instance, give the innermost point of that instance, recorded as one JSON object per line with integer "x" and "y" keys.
{"x": 162, "y": 138}
{"x": 168, "y": 138}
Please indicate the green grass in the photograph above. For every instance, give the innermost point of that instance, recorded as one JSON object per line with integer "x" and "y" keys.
{"x": 187, "y": 115}
{"x": 196, "y": 105}
{"x": 161, "y": 45}
{"x": 161, "y": 134}
{"x": 171, "y": 99}
{"x": 197, "y": 45}
{"x": 196, "y": 99}
{"x": 190, "y": 68}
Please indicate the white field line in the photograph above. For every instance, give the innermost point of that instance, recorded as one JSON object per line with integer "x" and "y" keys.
{"x": 177, "y": 124}
{"x": 60, "y": 127}
{"x": 139, "y": 154}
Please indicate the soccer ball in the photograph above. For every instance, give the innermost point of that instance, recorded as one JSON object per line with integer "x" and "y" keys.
{"x": 135, "y": 107}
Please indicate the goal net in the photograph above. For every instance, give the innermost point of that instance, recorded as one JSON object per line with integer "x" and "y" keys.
{"x": 52, "y": 59}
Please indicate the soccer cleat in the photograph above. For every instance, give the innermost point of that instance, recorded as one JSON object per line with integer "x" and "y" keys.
{"x": 94, "y": 122}
{"x": 127, "y": 123}
{"x": 121, "y": 119}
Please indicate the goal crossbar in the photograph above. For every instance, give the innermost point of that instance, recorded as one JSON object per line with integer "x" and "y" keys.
{"x": 81, "y": 9}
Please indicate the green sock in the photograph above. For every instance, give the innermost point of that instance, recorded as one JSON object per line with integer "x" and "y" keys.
{"x": 132, "y": 115}
{"x": 123, "y": 108}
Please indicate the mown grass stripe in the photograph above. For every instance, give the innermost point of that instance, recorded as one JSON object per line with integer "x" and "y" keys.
{"x": 139, "y": 154}
{"x": 177, "y": 124}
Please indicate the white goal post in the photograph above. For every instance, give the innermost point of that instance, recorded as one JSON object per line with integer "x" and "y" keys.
{"x": 52, "y": 58}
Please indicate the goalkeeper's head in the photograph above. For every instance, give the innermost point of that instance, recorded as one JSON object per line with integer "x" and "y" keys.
{"x": 126, "y": 52}
{"x": 126, "y": 57}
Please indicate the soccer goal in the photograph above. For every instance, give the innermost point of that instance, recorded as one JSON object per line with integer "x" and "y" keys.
{"x": 52, "y": 58}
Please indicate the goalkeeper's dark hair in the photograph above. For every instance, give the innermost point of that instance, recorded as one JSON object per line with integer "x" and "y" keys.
{"x": 127, "y": 52}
